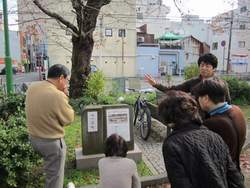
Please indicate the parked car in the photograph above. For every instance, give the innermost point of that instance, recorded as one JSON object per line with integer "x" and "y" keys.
{"x": 14, "y": 69}
{"x": 94, "y": 68}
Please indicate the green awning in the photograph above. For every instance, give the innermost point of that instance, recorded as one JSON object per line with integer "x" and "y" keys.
{"x": 169, "y": 36}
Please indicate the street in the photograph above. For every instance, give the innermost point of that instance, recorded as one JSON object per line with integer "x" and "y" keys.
{"x": 23, "y": 77}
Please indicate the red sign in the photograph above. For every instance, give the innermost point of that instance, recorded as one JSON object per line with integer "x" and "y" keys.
{"x": 24, "y": 57}
{"x": 32, "y": 31}
{"x": 239, "y": 59}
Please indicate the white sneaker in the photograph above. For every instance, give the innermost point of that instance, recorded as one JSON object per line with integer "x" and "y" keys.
{"x": 70, "y": 185}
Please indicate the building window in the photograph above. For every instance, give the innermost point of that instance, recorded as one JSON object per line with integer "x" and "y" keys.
{"x": 243, "y": 9}
{"x": 108, "y": 32}
{"x": 243, "y": 26}
{"x": 139, "y": 16}
{"x": 22, "y": 17}
{"x": 241, "y": 44}
{"x": 122, "y": 33}
{"x": 28, "y": 18}
{"x": 68, "y": 33}
{"x": 215, "y": 46}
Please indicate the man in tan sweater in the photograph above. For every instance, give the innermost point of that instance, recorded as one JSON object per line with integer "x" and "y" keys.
{"x": 47, "y": 111}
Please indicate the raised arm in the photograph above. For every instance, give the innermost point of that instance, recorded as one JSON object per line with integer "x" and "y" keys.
{"x": 149, "y": 79}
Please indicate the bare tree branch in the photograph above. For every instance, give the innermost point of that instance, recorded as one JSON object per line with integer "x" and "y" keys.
{"x": 56, "y": 16}
{"x": 68, "y": 29}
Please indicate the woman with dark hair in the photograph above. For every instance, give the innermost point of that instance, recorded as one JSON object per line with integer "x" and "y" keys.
{"x": 193, "y": 155}
{"x": 117, "y": 171}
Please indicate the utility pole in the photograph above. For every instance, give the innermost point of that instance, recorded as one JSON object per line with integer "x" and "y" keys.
{"x": 100, "y": 43}
{"x": 122, "y": 55}
{"x": 8, "y": 63}
{"x": 229, "y": 44}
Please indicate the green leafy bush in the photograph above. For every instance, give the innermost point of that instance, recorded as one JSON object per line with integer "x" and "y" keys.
{"x": 17, "y": 156}
{"x": 78, "y": 104}
{"x": 96, "y": 85}
{"x": 106, "y": 100}
{"x": 167, "y": 78}
{"x": 10, "y": 104}
{"x": 239, "y": 91}
{"x": 114, "y": 89}
{"x": 191, "y": 71}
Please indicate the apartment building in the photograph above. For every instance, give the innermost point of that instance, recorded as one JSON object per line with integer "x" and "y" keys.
{"x": 232, "y": 28}
{"x": 193, "y": 25}
{"x": 33, "y": 26}
{"x": 152, "y": 13}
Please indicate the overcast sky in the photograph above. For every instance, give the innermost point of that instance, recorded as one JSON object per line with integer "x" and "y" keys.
{"x": 204, "y": 8}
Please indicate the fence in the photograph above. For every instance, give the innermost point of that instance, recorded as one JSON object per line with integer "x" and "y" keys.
{"x": 18, "y": 88}
{"x": 240, "y": 76}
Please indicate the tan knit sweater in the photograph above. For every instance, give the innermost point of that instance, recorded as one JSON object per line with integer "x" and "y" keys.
{"x": 47, "y": 111}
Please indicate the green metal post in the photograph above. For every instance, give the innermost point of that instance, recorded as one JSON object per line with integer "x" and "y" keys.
{"x": 8, "y": 62}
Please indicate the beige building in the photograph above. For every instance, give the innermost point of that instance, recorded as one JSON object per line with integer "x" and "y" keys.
{"x": 29, "y": 16}
{"x": 240, "y": 41}
{"x": 115, "y": 39}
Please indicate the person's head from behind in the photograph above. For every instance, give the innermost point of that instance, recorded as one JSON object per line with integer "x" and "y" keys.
{"x": 59, "y": 73}
{"x": 211, "y": 90}
{"x": 179, "y": 109}
{"x": 207, "y": 64}
{"x": 116, "y": 145}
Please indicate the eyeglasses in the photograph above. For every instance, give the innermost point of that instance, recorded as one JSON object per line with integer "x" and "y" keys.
{"x": 205, "y": 65}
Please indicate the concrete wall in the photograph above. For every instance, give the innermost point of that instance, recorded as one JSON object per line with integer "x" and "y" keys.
{"x": 168, "y": 56}
{"x": 14, "y": 41}
{"x": 148, "y": 61}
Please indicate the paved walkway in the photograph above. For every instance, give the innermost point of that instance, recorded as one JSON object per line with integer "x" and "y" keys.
{"x": 151, "y": 152}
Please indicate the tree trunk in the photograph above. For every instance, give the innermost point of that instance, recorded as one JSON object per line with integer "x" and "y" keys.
{"x": 83, "y": 46}
{"x": 81, "y": 55}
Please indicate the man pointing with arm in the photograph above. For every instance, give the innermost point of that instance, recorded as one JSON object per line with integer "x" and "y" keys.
{"x": 207, "y": 64}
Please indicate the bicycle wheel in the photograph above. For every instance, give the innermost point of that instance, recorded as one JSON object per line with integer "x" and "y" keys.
{"x": 145, "y": 124}
{"x": 136, "y": 109}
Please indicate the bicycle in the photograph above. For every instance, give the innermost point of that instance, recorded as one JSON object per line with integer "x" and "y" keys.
{"x": 142, "y": 113}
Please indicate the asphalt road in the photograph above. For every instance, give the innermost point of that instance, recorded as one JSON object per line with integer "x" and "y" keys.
{"x": 23, "y": 77}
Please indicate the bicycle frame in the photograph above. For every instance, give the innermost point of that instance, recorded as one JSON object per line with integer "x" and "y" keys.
{"x": 140, "y": 103}
{"x": 144, "y": 116}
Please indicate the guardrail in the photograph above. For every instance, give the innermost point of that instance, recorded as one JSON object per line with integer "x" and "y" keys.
{"x": 18, "y": 88}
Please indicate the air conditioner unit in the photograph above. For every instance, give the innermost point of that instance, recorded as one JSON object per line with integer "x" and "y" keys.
{"x": 140, "y": 39}
{"x": 163, "y": 69}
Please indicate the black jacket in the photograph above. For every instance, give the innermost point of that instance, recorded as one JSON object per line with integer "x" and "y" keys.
{"x": 196, "y": 157}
